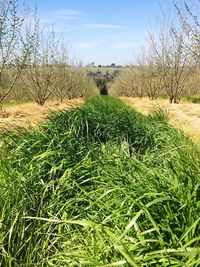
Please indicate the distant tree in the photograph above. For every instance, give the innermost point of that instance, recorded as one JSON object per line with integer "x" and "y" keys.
{"x": 102, "y": 85}
{"x": 188, "y": 13}
{"x": 91, "y": 64}
{"x": 13, "y": 49}
{"x": 38, "y": 77}
{"x": 172, "y": 58}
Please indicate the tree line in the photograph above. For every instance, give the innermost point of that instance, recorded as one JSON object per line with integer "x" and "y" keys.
{"x": 34, "y": 63}
{"x": 169, "y": 63}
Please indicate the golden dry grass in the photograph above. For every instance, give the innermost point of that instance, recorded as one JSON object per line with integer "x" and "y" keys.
{"x": 184, "y": 115}
{"x": 29, "y": 114}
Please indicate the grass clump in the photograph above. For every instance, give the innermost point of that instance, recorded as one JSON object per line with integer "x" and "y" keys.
{"x": 193, "y": 99}
{"x": 100, "y": 185}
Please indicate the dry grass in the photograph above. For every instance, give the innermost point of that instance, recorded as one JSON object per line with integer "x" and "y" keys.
{"x": 184, "y": 115}
{"x": 29, "y": 114}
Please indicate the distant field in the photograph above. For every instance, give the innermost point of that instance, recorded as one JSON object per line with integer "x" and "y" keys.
{"x": 104, "y": 70}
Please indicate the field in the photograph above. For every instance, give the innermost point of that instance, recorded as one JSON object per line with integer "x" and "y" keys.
{"x": 100, "y": 185}
{"x": 88, "y": 179}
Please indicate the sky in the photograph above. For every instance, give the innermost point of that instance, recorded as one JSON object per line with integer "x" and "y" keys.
{"x": 102, "y": 31}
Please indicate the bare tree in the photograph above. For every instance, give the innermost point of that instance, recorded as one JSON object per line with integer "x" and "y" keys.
{"x": 193, "y": 84}
{"x": 70, "y": 81}
{"x": 13, "y": 50}
{"x": 129, "y": 82}
{"x": 152, "y": 78}
{"x": 188, "y": 13}
{"x": 173, "y": 59}
{"x": 63, "y": 74}
{"x": 63, "y": 84}
{"x": 140, "y": 73}
{"x": 153, "y": 81}
{"x": 39, "y": 75}
{"x": 125, "y": 83}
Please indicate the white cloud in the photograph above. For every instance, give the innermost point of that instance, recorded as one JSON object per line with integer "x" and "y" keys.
{"x": 60, "y": 19}
{"x": 103, "y": 26}
{"x": 64, "y": 14}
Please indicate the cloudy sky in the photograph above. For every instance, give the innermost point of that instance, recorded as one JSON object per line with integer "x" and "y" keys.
{"x": 102, "y": 31}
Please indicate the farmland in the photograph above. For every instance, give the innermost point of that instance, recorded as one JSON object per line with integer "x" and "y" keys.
{"x": 99, "y": 163}
{"x": 30, "y": 114}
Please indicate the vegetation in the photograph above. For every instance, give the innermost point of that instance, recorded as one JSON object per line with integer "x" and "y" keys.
{"x": 33, "y": 61}
{"x": 13, "y": 50}
{"x": 71, "y": 83}
{"x": 35, "y": 64}
{"x": 169, "y": 64}
{"x": 193, "y": 99}
{"x": 138, "y": 81}
{"x": 103, "y": 78}
{"x": 100, "y": 185}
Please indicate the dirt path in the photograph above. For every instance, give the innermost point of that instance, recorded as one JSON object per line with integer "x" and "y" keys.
{"x": 184, "y": 115}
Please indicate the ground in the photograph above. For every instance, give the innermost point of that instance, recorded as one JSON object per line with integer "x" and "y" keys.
{"x": 184, "y": 115}
{"x": 29, "y": 114}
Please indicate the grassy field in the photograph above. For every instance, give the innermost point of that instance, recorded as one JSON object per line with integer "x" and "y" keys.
{"x": 100, "y": 185}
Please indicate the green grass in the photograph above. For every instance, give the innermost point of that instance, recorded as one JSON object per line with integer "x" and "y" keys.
{"x": 12, "y": 103}
{"x": 163, "y": 96}
{"x": 193, "y": 99}
{"x": 100, "y": 185}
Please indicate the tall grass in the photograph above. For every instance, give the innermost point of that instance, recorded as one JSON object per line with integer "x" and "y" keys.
{"x": 100, "y": 185}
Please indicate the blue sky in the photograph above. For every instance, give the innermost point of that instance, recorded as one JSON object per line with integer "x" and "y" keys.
{"x": 102, "y": 31}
